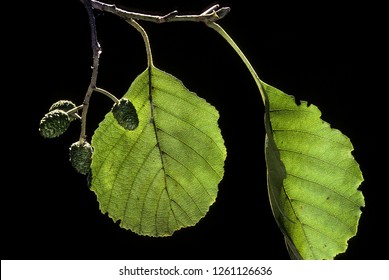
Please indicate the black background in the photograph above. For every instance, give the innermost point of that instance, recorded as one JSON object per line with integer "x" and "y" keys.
{"x": 330, "y": 56}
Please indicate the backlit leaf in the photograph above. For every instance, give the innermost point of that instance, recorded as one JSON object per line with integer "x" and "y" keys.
{"x": 163, "y": 175}
{"x": 313, "y": 178}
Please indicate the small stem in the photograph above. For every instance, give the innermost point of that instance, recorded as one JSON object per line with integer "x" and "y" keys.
{"x": 227, "y": 37}
{"x": 145, "y": 39}
{"x": 107, "y": 93}
{"x": 75, "y": 110}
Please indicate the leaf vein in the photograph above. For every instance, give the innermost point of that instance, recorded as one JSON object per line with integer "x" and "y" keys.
{"x": 144, "y": 200}
{"x": 197, "y": 153}
{"x": 324, "y": 186}
{"x": 191, "y": 197}
{"x": 136, "y": 176}
{"x": 324, "y": 211}
{"x": 298, "y": 219}
{"x": 320, "y": 232}
{"x": 182, "y": 209}
{"x": 316, "y": 158}
{"x": 299, "y": 109}
{"x": 312, "y": 134}
{"x": 182, "y": 120}
{"x": 195, "y": 104}
{"x": 190, "y": 171}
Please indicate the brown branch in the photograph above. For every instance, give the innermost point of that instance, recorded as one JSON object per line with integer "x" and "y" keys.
{"x": 96, "y": 51}
{"x": 211, "y": 14}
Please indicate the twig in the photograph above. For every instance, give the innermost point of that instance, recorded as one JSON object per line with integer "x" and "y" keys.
{"x": 211, "y": 14}
{"x": 96, "y": 50}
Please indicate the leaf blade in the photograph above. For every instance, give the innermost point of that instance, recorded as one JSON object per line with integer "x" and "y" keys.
{"x": 165, "y": 174}
{"x": 312, "y": 178}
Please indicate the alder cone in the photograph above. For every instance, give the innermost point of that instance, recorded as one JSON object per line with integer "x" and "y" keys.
{"x": 80, "y": 156}
{"x": 54, "y": 123}
{"x": 125, "y": 113}
{"x": 64, "y": 105}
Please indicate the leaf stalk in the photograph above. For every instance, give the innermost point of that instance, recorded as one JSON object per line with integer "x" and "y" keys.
{"x": 145, "y": 39}
{"x": 245, "y": 60}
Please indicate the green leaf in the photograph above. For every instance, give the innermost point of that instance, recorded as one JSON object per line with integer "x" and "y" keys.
{"x": 164, "y": 175}
{"x": 313, "y": 178}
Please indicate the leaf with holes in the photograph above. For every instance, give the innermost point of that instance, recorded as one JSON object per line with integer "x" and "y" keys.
{"x": 163, "y": 175}
{"x": 313, "y": 178}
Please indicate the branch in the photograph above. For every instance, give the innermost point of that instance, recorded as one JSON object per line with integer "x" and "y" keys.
{"x": 211, "y": 14}
{"x": 96, "y": 50}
